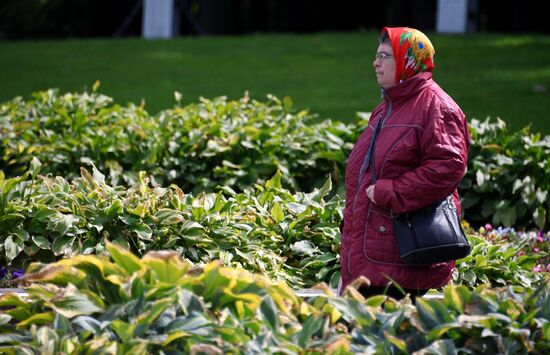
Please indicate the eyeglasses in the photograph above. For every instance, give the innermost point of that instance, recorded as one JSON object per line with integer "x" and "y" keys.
{"x": 382, "y": 56}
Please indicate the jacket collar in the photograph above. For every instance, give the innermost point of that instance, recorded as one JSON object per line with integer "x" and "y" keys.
{"x": 407, "y": 88}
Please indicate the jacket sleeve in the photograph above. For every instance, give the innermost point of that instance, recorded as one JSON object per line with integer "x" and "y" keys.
{"x": 444, "y": 145}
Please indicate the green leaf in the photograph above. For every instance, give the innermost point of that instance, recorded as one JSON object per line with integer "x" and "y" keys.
{"x": 275, "y": 181}
{"x": 96, "y": 85}
{"x": 438, "y": 332}
{"x": 143, "y": 231}
{"x": 427, "y": 313}
{"x": 192, "y": 228}
{"x": 399, "y": 343}
{"x": 190, "y": 303}
{"x": 269, "y": 312}
{"x": 318, "y": 194}
{"x": 37, "y": 318}
{"x": 4, "y": 319}
{"x": 157, "y": 308}
{"x": 166, "y": 265}
{"x": 36, "y": 165}
{"x": 75, "y": 304}
{"x": 19, "y": 313}
{"x": 12, "y": 338}
{"x": 196, "y": 324}
{"x": 539, "y": 216}
{"x": 546, "y": 331}
{"x": 62, "y": 324}
{"x": 303, "y": 247}
{"x": 376, "y": 301}
{"x": 168, "y": 217}
{"x": 11, "y": 300}
{"x": 277, "y": 213}
{"x": 456, "y": 297}
{"x": 310, "y": 327}
{"x": 123, "y": 258}
{"x": 509, "y": 217}
{"x": 440, "y": 347}
{"x": 60, "y": 244}
{"x": 13, "y": 246}
{"x": 114, "y": 209}
{"x": 287, "y": 103}
{"x": 480, "y": 177}
{"x": 41, "y": 242}
{"x": 61, "y": 223}
{"x": 124, "y": 330}
{"x": 11, "y": 219}
{"x": 89, "y": 324}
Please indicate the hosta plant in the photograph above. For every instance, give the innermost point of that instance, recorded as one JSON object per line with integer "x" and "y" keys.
{"x": 497, "y": 264}
{"x": 267, "y": 229}
{"x": 158, "y": 303}
{"x": 121, "y": 303}
{"x": 508, "y": 176}
{"x": 235, "y": 143}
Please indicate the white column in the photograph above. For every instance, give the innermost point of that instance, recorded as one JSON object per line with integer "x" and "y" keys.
{"x": 158, "y": 17}
{"x": 452, "y": 16}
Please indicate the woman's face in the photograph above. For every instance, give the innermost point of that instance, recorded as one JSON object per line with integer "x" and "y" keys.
{"x": 384, "y": 66}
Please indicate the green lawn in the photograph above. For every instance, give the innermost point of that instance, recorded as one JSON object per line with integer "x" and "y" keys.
{"x": 488, "y": 75}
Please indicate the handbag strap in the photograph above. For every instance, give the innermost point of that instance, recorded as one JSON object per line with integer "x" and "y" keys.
{"x": 373, "y": 149}
{"x": 368, "y": 157}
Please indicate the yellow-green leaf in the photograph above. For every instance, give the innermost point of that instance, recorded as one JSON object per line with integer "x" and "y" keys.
{"x": 166, "y": 265}
{"x": 456, "y": 297}
{"x": 10, "y": 300}
{"x": 277, "y": 213}
{"x": 275, "y": 181}
{"x": 399, "y": 343}
{"x": 39, "y": 318}
{"x": 124, "y": 258}
{"x": 175, "y": 335}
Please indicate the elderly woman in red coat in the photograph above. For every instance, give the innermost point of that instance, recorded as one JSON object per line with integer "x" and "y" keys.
{"x": 419, "y": 157}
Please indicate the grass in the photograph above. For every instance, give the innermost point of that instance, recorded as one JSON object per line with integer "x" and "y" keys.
{"x": 331, "y": 73}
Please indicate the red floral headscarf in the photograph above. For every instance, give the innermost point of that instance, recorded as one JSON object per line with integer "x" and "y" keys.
{"x": 413, "y": 52}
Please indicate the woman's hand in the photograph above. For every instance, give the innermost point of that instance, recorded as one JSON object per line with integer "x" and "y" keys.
{"x": 370, "y": 193}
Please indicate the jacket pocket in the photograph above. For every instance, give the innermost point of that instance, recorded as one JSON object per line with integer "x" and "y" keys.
{"x": 379, "y": 240}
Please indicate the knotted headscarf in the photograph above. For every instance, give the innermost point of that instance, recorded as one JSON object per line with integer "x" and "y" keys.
{"x": 413, "y": 52}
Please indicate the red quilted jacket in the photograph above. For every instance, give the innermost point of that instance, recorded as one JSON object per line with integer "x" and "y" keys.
{"x": 420, "y": 157}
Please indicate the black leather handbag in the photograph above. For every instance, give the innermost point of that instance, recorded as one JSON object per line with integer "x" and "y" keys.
{"x": 431, "y": 235}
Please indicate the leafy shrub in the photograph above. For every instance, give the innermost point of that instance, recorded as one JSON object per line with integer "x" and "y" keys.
{"x": 161, "y": 303}
{"x": 508, "y": 176}
{"x": 199, "y": 146}
{"x": 497, "y": 264}
{"x": 267, "y": 229}
{"x": 288, "y": 236}
{"x": 239, "y": 143}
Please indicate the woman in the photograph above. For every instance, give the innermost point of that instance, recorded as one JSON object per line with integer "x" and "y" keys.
{"x": 419, "y": 157}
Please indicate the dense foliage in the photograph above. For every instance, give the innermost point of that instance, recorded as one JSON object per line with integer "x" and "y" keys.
{"x": 216, "y": 183}
{"x": 199, "y": 146}
{"x": 267, "y": 229}
{"x": 159, "y": 303}
{"x": 508, "y": 177}
{"x": 239, "y": 143}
